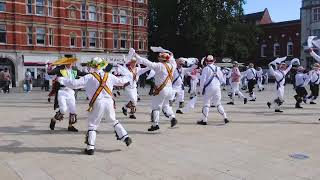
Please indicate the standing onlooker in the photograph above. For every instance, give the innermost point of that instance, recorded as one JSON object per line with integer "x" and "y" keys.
{"x": 46, "y": 81}
{"x": 1, "y": 80}
{"x": 28, "y": 80}
{"x": 6, "y": 76}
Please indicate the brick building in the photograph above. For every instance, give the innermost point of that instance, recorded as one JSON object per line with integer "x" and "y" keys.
{"x": 276, "y": 40}
{"x": 34, "y": 32}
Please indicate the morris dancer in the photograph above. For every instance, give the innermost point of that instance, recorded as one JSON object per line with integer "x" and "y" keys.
{"x": 177, "y": 84}
{"x": 260, "y": 79}
{"x": 98, "y": 86}
{"x": 314, "y": 77}
{"x": 195, "y": 75}
{"x": 131, "y": 87}
{"x": 301, "y": 80}
{"x": 280, "y": 76}
{"x": 210, "y": 87}
{"x": 250, "y": 75}
{"x": 64, "y": 96}
{"x": 163, "y": 87}
{"x": 235, "y": 77}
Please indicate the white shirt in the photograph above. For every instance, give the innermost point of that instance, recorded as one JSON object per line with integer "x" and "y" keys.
{"x": 250, "y": 73}
{"x": 259, "y": 73}
{"x": 279, "y": 74}
{"x": 207, "y": 74}
{"x": 91, "y": 84}
{"x": 179, "y": 74}
{"x": 160, "y": 70}
{"x": 301, "y": 79}
{"x": 126, "y": 72}
{"x": 314, "y": 77}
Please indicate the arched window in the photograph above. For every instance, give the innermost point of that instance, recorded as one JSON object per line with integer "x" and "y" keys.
{"x": 276, "y": 50}
{"x": 73, "y": 40}
{"x": 290, "y": 49}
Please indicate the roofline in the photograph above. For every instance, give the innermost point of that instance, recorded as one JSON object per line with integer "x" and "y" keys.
{"x": 297, "y": 21}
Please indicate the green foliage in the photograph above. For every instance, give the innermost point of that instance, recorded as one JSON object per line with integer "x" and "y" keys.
{"x": 201, "y": 27}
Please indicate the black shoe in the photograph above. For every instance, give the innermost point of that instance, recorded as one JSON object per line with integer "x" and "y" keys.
{"x": 278, "y": 110}
{"x": 125, "y": 111}
{"x": 52, "y": 124}
{"x": 132, "y": 116}
{"x": 252, "y": 100}
{"x": 139, "y": 99}
{"x": 174, "y": 122}
{"x": 269, "y": 104}
{"x": 72, "y": 129}
{"x": 118, "y": 92}
{"x": 230, "y": 103}
{"x": 312, "y": 102}
{"x": 179, "y": 111}
{"x": 128, "y": 141}
{"x": 89, "y": 152}
{"x": 202, "y": 123}
{"x": 154, "y": 128}
{"x": 298, "y": 107}
{"x": 212, "y": 106}
{"x": 226, "y": 121}
{"x": 245, "y": 101}
{"x": 114, "y": 94}
{"x": 49, "y": 100}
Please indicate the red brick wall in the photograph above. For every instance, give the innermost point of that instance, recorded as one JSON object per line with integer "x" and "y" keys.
{"x": 17, "y": 21}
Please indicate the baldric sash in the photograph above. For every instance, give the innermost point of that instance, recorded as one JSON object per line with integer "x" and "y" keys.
{"x": 101, "y": 87}
{"x": 169, "y": 77}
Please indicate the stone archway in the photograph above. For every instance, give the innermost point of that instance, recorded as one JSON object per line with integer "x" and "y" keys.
{"x": 7, "y": 63}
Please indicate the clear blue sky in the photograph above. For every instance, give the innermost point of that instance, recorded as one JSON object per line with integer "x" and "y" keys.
{"x": 280, "y": 10}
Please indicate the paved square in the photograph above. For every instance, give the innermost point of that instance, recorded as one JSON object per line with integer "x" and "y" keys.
{"x": 256, "y": 145}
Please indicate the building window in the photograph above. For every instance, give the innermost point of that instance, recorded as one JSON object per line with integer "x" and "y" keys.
{"x": 3, "y": 34}
{"x": 50, "y": 37}
{"x": 115, "y": 40}
{"x": 123, "y": 17}
{"x": 263, "y": 50}
{"x": 50, "y": 8}
{"x": 100, "y": 17}
{"x": 40, "y": 7}
{"x": 316, "y": 14}
{"x": 101, "y": 40}
{"x": 83, "y": 12}
{"x": 73, "y": 39}
{"x": 92, "y": 39}
{"x": 92, "y": 13}
{"x": 41, "y": 34}
{"x": 140, "y": 21}
{"x": 290, "y": 49}
{"x": 29, "y": 6}
{"x": 123, "y": 41}
{"x": 84, "y": 38}
{"x": 30, "y": 35}
{"x": 115, "y": 15}
{"x": 2, "y": 5}
{"x": 276, "y": 50}
{"x": 140, "y": 44}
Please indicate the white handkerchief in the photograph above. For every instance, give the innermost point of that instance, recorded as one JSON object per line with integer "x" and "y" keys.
{"x": 151, "y": 74}
{"x": 159, "y": 49}
{"x": 278, "y": 60}
{"x": 295, "y": 60}
{"x": 191, "y": 104}
{"x": 130, "y": 54}
{"x": 310, "y": 39}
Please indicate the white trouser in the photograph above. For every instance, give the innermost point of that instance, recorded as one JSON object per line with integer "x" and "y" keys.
{"x": 193, "y": 84}
{"x": 132, "y": 95}
{"x": 103, "y": 107}
{"x": 280, "y": 98}
{"x": 213, "y": 93}
{"x": 235, "y": 90}
{"x": 66, "y": 101}
{"x": 259, "y": 82}
{"x": 159, "y": 102}
{"x": 177, "y": 94}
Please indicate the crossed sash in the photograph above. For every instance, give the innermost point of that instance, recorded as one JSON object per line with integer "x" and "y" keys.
{"x": 101, "y": 87}
{"x": 169, "y": 77}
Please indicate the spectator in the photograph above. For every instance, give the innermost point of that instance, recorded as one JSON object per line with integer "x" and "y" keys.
{"x": 1, "y": 79}
{"x": 28, "y": 80}
{"x": 46, "y": 81}
{"x": 6, "y": 76}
